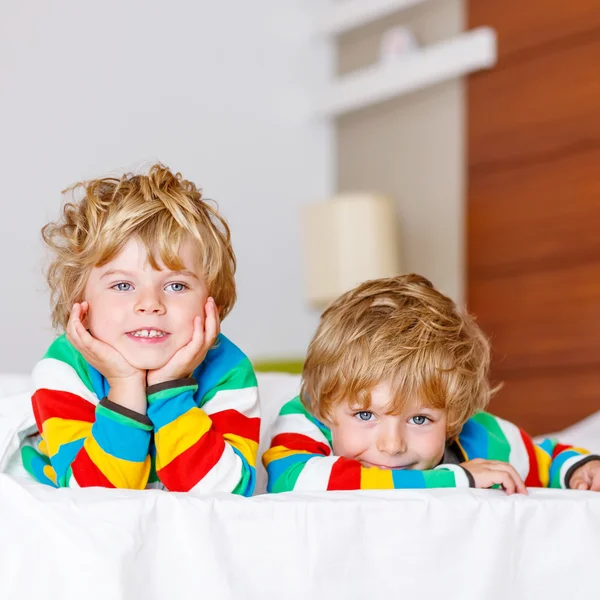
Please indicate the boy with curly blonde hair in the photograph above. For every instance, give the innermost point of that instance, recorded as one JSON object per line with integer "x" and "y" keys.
{"x": 142, "y": 390}
{"x": 394, "y": 388}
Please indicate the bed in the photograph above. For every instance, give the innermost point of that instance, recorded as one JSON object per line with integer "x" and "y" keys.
{"x": 117, "y": 544}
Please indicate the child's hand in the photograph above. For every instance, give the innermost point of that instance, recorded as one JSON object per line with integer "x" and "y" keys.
{"x": 110, "y": 362}
{"x": 488, "y": 473}
{"x": 586, "y": 477}
{"x": 186, "y": 359}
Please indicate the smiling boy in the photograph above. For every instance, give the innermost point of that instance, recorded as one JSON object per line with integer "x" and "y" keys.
{"x": 393, "y": 392}
{"x": 142, "y": 390}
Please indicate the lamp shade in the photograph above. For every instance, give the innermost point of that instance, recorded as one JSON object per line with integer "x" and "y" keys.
{"x": 347, "y": 240}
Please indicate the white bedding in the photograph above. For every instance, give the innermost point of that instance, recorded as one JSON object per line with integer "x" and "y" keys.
{"x": 114, "y": 544}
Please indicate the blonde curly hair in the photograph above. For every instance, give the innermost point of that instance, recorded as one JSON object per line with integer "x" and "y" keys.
{"x": 161, "y": 209}
{"x": 403, "y": 331}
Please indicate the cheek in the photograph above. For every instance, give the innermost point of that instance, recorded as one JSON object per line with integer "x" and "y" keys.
{"x": 349, "y": 441}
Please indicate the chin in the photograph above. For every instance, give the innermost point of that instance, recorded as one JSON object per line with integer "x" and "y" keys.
{"x": 147, "y": 363}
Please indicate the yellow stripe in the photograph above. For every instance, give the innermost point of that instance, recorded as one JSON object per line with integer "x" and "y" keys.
{"x": 277, "y": 452}
{"x": 121, "y": 473}
{"x": 372, "y": 478}
{"x": 578, "y": 450}
{"x": 248, "y": 448}
{"x": 461, "y": 448}
{"x": 180, "y": 435}
{"x": 42, "y": 447}
{"x": 544, "y": 461}
{"x": 57, "y": 431}
{"x": 50, "y": 473}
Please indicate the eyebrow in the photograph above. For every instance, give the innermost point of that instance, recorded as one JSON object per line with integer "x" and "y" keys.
{"x": 184, "y": 273}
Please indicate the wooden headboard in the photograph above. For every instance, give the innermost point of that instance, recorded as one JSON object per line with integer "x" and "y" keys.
{"x": 533, "y": 217}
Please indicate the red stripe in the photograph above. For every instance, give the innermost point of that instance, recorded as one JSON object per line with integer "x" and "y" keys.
{"x": 191, "y": 466}
{"x": 345, "y": 475}
{"x": 560, "y": 448}
{"x": 533, "y": 477}
{"x": 87, "y": 473}
{"x": 54, "y": 403}
{"x": 232, "y": 421}
{"x": 297, "y": 441}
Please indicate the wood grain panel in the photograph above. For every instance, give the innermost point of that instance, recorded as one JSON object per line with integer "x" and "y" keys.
{"x": 538, "y": 216}
{"x": 526, "y": 24}
{"x": 544, "y": 106}
{"x": 549, "y": 401}
{"x": 540, "y": 319}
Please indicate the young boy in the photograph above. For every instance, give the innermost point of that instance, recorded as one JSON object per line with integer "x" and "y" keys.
{"x": 142, "y": 390}
{"x": 394, "y": 385}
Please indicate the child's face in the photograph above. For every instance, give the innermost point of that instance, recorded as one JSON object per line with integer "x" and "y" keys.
{"x": 415, "y": 439}
{"x": 127, "y": 295}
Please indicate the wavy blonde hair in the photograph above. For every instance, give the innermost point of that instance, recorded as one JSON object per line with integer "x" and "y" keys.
{"x": 403, "y": 331}
{"x": 161, "y": 209}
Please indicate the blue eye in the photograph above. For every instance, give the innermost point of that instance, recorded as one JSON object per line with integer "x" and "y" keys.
{"x": 364, "y": 415}
{"x": 419, "y": 420}
{"x": 122, "y": 287}
{"x": 177, "y": 287}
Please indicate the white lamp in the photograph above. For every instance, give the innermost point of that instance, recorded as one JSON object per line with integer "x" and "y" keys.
{"x": 348, "y": 239}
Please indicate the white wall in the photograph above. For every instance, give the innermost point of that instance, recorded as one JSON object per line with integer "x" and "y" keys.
{"x": 219, "y": 90}
{"x": 413, "y": 149}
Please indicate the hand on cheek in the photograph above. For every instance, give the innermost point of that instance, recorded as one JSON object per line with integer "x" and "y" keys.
{"x": 187, "y": 358}
{"x": 106, "y": 359}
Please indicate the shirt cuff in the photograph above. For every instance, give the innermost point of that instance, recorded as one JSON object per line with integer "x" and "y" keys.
{"x": 126, "y": 412}
{"x": 462, "y": 477}
{"x": 584, "y": 461}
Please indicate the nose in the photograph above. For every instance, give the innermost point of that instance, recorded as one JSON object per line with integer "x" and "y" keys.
{"x": 149, "y": 303}
{"x": 391, "y": 441}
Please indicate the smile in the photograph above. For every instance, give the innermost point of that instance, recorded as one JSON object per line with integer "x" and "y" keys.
{"x": 148, "y": 333}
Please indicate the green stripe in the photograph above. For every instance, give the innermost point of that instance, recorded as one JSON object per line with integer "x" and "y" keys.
{"x": 171, "y": 393}
{"x": 296, "y": 407}
{"x": 498, "y": 445}
{"x": 287, "y": 480}
{"x": 440, "y": 478}
{"x": 240, "y": 377}
{"x": 122, "y": 419}
{"x": 241, "y": 487}
{"x": 61, "y": 349}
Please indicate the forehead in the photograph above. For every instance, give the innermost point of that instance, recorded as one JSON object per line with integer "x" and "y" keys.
{"x": 389, "y": 399}
{"x": 135, "y": 256}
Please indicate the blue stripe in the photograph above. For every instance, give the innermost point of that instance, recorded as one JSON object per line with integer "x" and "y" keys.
{"x": 559, "y": 461}
{"x": 165, "y": 411}
{"x": 251, "y": 470}
{"x": 220, "y": 359}
{"x": 547, "y": 446}
{"x": 119, "y": 440}
{"x": 408, "y": 479}
{"x": 278, "y": 467}
{"x": 474, "y": 440}
{"x": 66, "y": 454}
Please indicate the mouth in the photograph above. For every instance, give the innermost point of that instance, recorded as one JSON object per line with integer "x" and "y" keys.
{"x": 389, "y": 467}
{"x": 148, "y": 335}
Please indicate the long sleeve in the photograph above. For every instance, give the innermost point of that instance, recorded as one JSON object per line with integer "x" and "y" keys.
{"x": 300, "y": 458}
{"x": 207, "y": 426}
{"x": 84, "y": 442}
{"x": 548, "y": 464}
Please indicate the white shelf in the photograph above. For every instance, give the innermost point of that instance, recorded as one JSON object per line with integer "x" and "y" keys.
{"x": 351, "y": 14}
{"x": 461, "y": 55}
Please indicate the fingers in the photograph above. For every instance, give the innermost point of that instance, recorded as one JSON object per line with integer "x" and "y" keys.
{"x": 595, "y": 486}
{"x": 212, "y": 324}
{"x": 517, "y": 482}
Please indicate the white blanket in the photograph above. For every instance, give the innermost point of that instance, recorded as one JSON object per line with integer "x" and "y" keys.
{"x": 117, "y": 544}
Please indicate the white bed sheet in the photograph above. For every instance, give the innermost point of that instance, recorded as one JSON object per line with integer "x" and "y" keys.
{"x": 117, "y": 544}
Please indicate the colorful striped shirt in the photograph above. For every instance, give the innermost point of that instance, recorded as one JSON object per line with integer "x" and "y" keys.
{"x": 300, "y": 457}
{"x": 199, "y": 433}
